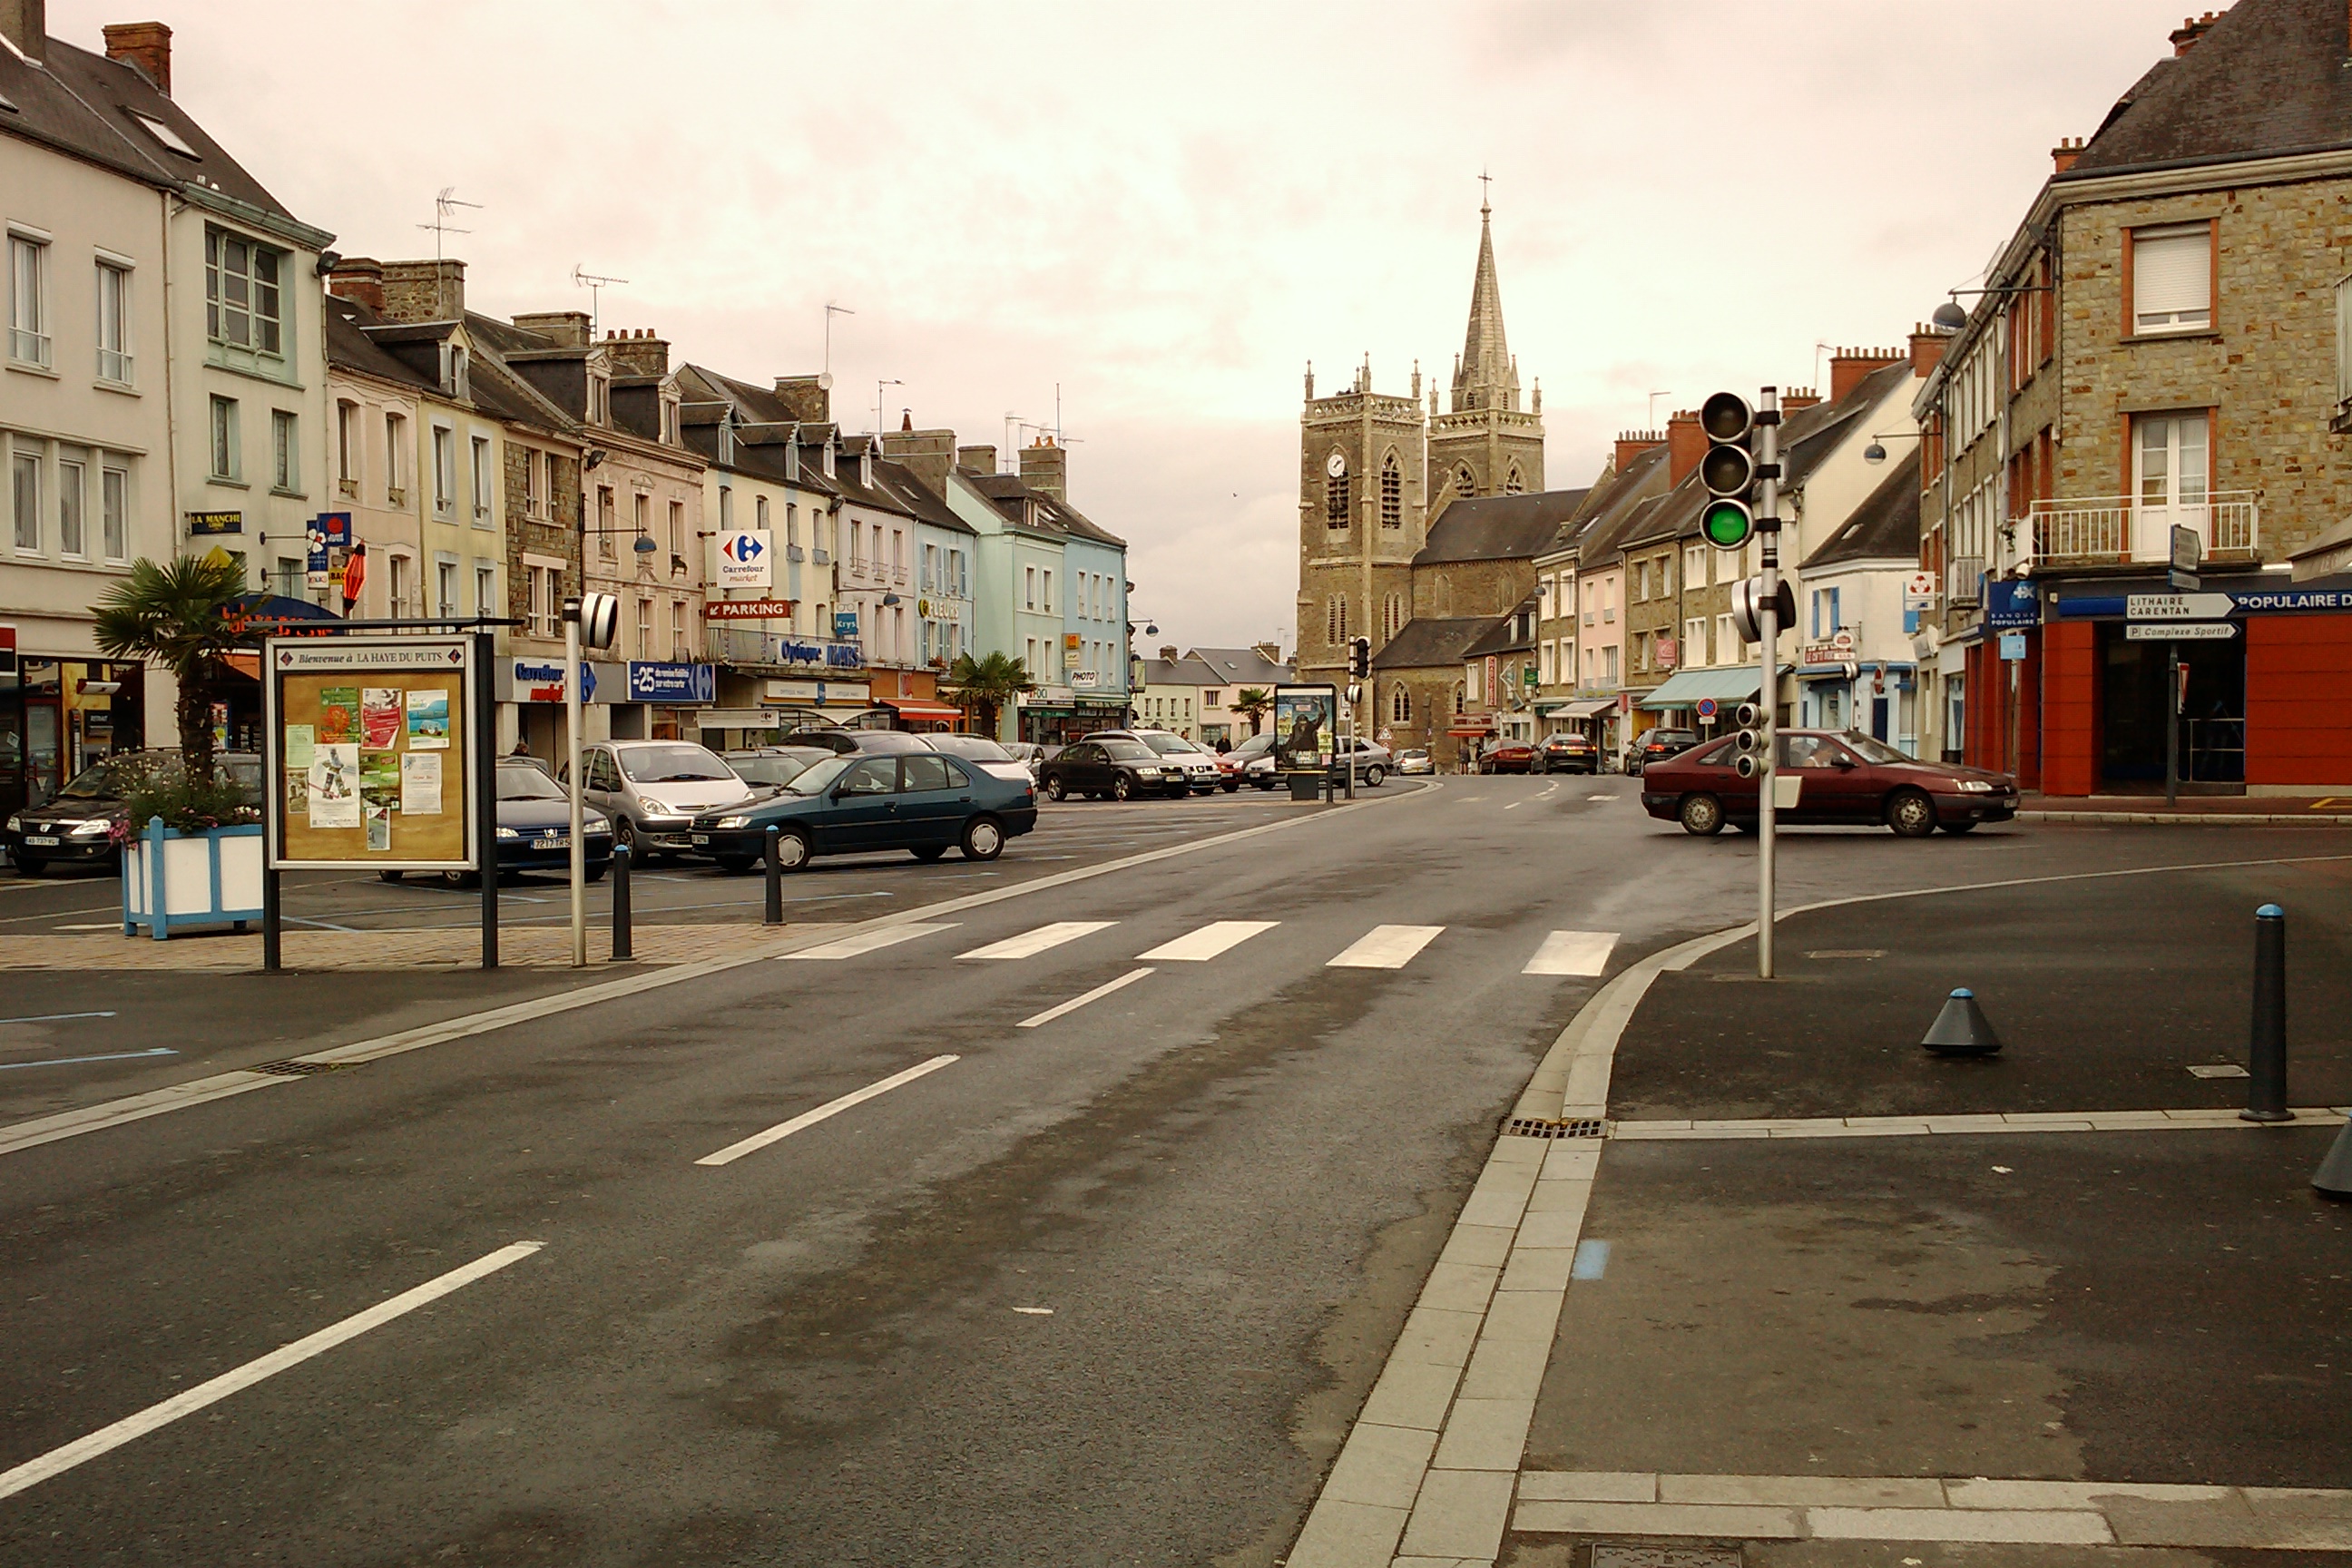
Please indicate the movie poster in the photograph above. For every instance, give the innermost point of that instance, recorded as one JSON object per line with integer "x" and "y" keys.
{"x": 1305, "y": 718}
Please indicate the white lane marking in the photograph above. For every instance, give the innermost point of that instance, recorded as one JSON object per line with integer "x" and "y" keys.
{"x": 57, "y": 1461}
{"x": 1385, "y": 947}
{"x": 1199, "y": 946}
{"x": 54, "y": 1017}
{"x": 1036, "y": 1311}
{"x": 784, "y": 1129}
{"x": 1029, "y": 943}
{"x": 1075, "y": 1003}
{"x": 1600, "y": 797}
{"x": 1572, "y": 952}
{"x": 1515, "y": 806}
{"x": 860, "y": 941}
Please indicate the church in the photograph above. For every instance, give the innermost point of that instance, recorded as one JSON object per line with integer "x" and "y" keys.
{"x": 1418, "y": 529}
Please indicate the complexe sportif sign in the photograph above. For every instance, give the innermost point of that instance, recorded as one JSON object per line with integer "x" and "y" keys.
{"x": 374, "y": 753}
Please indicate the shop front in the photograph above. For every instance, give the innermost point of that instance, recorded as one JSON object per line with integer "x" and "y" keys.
{"x": 664, "y": 701}
{"x": 530, "y": 688}
{"x": 59, "y": 713}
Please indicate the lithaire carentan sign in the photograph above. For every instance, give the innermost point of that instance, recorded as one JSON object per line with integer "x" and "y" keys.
{"x": 373, "y": 757}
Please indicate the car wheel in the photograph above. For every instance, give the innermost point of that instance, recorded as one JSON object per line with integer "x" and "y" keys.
{"x": 735, "y": 864}
{"x": 983, "y": 839}
{"x": 928, "y": 852}
{"x": 389, "y": 876}
{"x": 1911, "y": 814}
{"x": 1958, "y": 827}
{"x": 30, "y": 865}
{"x": 595, "y": 873}
{"x": 1232, "y": 785}
{"x": 624, "y": 833}
{"x": 1055, "y": 789}
{"x": 1121, "y": 789}
{"x": 792, "y": 850}
{"x": 1701, "y": 814}
{"x": 461, "y": 879}
{"x": 1376, "y": 775}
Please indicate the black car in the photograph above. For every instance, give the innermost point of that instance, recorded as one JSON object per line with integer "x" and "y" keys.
{"x": 80, "y": 825}
{"x": 1659, "y": 746}
{"x": 1570, "y": 752}
{"x": 921, "y": 801}
{"x": 535, "y": 827}
{"x": 858, "y": 742}
{"x": 1114, "y": 769}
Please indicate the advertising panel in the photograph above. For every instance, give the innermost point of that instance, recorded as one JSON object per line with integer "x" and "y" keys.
{"x": 1305, "y": 718}
{"x": 663, "y": 682}
{"x": 746, "y": 558}
{"x": 374, "y": 753}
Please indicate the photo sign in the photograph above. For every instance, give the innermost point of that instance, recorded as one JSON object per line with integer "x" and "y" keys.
{"x": 374, "y": 757}
{"x": 1305, "y": 718}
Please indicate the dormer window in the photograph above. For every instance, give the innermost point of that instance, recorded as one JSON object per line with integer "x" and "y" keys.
{"x": 454, "y": 373}
{"x": 669, "y": 422}
{"x": 171, "y": 139}
{"x": 599, "y": 391}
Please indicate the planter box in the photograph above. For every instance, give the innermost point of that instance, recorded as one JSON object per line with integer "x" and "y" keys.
{"x": 173, "y": 880}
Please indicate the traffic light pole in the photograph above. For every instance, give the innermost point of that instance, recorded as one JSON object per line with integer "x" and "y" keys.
{"x": 1768, "y": 617}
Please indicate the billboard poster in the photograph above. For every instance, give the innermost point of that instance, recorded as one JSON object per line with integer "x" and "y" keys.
{"x": 1305, "y": 718}
{"x": 374, "y": 753}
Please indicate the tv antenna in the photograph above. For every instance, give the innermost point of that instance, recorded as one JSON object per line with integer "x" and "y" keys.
{"x": 830, "y": 310}
{"x": 594, "y": 283}
{"x": 444, "y": 206}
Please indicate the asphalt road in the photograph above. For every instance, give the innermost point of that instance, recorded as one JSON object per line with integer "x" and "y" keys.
{"x": 1106, "y": 1288}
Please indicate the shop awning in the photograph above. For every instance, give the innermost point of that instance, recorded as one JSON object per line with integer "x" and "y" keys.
{"x": 915, "y": 708}
{"x": 1684, "y": 689}
{"x": 249, "y": 665}
{"x": 1469, "y": 732}
{"x": 1576, "y": 708}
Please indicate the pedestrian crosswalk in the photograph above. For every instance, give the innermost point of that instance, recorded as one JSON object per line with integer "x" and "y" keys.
{"x": 1585, "y": 953}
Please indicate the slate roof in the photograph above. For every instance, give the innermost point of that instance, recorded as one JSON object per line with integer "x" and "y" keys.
{"x": 1502, "y": 635}
{"x": 1885, "y": 525}
{"x": 2268, "y": 78}
{"x": 1603, "y": 529}
{"x": 1429, "y": 640}
{"x": 1499, "y": 528}
{"x": 1008, "y": 492}
{"x": 349, "y": 346}
{"x": 1179, "y": 672}
{"x": 899, "y": 482}
{"x": 1243, "y": 667}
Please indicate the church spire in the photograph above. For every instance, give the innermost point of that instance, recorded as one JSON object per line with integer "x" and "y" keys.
{"x": 1486, "y": 377}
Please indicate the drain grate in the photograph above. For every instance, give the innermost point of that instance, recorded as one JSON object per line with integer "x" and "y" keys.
{"x": 290, "y": 1068}
{"x": 1535, "y": 1127}
{"x": 1613, "y": 1555}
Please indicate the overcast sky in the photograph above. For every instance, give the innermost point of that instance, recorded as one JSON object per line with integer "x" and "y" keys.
{"x": 1166, "y": 211}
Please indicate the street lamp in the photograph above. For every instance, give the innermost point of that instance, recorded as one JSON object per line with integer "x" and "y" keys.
{"x": 1875, "y": 454}
{"x": 1950, "y": 318}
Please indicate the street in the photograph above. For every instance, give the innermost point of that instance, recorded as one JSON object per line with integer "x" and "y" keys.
{"x": 1108, "y": 1286}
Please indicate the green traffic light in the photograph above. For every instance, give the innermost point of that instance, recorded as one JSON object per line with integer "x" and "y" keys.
{"x": 1726, "y": 524}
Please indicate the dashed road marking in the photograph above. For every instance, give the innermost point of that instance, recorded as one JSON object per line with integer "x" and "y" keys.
{"x": 1385, "y": 947}
{"x": 1029, "y": 943}
{"x": 831, "y": 1107}
{"x": 1573, "y": 952}
{"x": 862, "y": 941}
{"x": 1199, "y": 946}
{"x": 1075, "y": 1003}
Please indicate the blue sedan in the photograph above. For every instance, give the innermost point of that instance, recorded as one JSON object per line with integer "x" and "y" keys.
{"x": 855, "y": 804}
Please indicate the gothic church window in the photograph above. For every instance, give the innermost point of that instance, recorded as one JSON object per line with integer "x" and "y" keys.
{"x": 1391, "y": 493}
{"x": 1464, "y": 484}
{"x": 1400, "y": 704}
{"x": 1512, "y": 484}
{"x": 1461, "y": 699}
{"x": 1392, "y": 616}
{"x": 1335, "y": 620}
{"x": 1335, "y": 500}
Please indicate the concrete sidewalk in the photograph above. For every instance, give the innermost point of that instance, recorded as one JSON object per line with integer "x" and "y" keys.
{"x": 2189, "y": 810}
{"x": 1810, "y": 1294}
{"x": 524, "y": 947}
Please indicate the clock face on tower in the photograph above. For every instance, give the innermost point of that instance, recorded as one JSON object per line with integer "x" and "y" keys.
{"x": 1335, "y": 465}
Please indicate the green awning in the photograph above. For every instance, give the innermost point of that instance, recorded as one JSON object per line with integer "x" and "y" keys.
{"x": 1685, "y": 688}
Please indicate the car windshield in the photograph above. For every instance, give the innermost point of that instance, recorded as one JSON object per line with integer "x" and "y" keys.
{"x": 1673, "y": 738}
{"x": 528, "y": 784}
{"x": 1169, "y": 745}
{"x": 873, "y": 740}
{"x": 1128, "y": 752}
{"x": 1872, "y": 751}
{"x": 118, "y": 776}
{"x": 819, "y": 776}
{"x": 680, "y": 763}
{"x": 1254, "y": 746}
{"x": 979, "y": 748}
{"x": 768, "y": 770}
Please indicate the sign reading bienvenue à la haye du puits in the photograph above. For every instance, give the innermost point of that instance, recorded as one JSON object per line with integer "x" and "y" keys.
{"x": 746, "y": 559}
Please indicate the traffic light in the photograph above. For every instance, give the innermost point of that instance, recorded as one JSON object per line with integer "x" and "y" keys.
{"x": 1747, "y": 743}
{"x": 1727, "y": 471}
{"x": 1360, "y": 658}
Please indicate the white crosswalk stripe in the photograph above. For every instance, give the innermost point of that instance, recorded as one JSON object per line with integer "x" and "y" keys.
{"x": 1572, "y": 952}
{"x": 868, "y": 941}
{"x": 1199, "y": 946}
{"x": 1030, "y": 944}
{"x": 1385, "y": 947}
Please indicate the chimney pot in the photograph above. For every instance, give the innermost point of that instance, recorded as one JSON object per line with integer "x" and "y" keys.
{"x": 1848, "y": 367}
{"x": 359, "y": 278}
{"x": 145, "y": 46}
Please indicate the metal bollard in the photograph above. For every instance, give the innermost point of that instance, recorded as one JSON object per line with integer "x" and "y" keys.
{"x": 2266, "y": 1056}
{"x": 775, "y": 914}
{"x": 621, "y": 945}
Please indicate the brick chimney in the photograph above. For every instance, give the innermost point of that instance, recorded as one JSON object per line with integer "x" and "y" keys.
{"x": 563, "y": 329}
{"x": 1685, "y": 444}
{"x": 809, "y": 397}
{"x": 145, "y": 46}
{"x": 1046, "y": 467}
{"x": 638, "y": 352}
{"x": 1798, "y": 397}
{"x": 1269, "y": 651}
{"x": 26, "y": 23}
{"x": 2185, "y": 37}
{"x": 359, "y": 278}
{"x": 2063, "y": 156}
{"x": 1168, "y": 654}
{"x": 929, "y": 455}
{"x": 424, "y": 291}
{"x": 979, "y": 460}
{"x": 1632, "y": 444}
{"x": 1928, "y": 345}
{"x": 1849, "y": 366}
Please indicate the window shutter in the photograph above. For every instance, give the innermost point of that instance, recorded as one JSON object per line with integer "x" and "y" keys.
{"x": 2172, "y": 278}
{"x": 2344, "y": 341}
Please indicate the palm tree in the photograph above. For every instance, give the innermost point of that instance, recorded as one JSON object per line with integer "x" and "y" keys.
{"x": 986, "y": 685}
{"x": 173, "y": 616}
{"x": 1253, "y": 703}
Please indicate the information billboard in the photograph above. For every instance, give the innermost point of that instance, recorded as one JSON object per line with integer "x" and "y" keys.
{"x": 373, "y": 754}
{"x": 1305, "y": 718}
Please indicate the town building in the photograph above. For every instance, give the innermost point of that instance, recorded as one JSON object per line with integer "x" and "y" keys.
{"x": 1233, "y": 673}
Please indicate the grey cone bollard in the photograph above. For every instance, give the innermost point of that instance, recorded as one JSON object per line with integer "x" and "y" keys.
{"x": 1961, "y": 1029}
{"x": 2334, "y": 1176}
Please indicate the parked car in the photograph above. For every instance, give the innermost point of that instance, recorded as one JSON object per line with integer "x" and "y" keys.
{"x": 1505, "y": 756}
{"x": 1198, "y": 768}
{"x": 1116, "y": 767}
{"x": 1847, "y": 778}
{"x": 1230, "y": 770}
{"x": 1656, "y": 746}
{"x": 1028, "y": 753}
{"x": 653, "y": 789}
{"x": 921, "y": 801}
{"x": 767, "y": 767}
{"x": 77, "y": 826}
{"x": 1371, "y": 761}
{"x": 1256, "y": 758}
{"x": 985, "y": 754}
{"x": 1570, "y": 752}
{"x": 1414, "y": 760}
{"x": 535, "y": 827}
{"x": 866, "y": 742}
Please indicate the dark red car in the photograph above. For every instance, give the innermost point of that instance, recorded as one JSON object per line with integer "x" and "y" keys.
{"x": 1843, "y": 779}
{"x": 1507, "y": 757}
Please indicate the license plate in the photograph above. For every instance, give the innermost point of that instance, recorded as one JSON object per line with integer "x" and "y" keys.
{"x": 551, "y": 843}
{"x": 702, "y": 838}
{"x": 45, "y": 840}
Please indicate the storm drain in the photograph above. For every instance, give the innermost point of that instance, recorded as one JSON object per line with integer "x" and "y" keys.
{"x": 290, "y": 1068}
{"x": 1536, "y": 1127}
{"x": 1617, "y": 1555}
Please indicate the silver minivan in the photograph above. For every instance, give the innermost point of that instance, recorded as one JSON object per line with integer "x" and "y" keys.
{"x": 652, "y": 790}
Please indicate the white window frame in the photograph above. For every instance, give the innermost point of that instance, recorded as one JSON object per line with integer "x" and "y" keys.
{"x": 348, "y": 443}
{"x": 485, "y": 470}
{"x": 73, "y": 508}
{"x": 445, "y": 583}
{"x": 114, "y": 510}
{"x": 112, "y": 274}
{"x": 485, "y": 588}
{"x": 222, "y": 313}
{"x": 29, "y": 340}
{"x": 224, "y": 447}
{"x": 2182, "y": 254}
{"x": 395, "y": 457}
{"x": 285, "y": 452}
{"x": 445, "y": 469}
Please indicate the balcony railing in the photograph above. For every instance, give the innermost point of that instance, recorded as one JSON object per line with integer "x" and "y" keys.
{"x": 2122, "y": 530}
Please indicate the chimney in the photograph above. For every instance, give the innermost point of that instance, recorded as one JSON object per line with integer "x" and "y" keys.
{"x": 979, "y": 460}
{"x": 424, "y": 291}
{"x": 563, "y": 329}
{"x": 1849, "y": 366}
{"x": 809, "y": 397}
{"x": 1168, "y": 654}
{"x": 359, "y": 278}
{"x": 1928, "y": 346}
{"x": 1632, "y": 444}
{"x": 145, "y": 46}
{"x": 1798, "y": 397}
{"x": 639, "y": 353}
{"x": 929, "y": 455}
{"x": 1685, "y": 444}
{"x": 2063, "y": 156}
{"x": 2185, "y": 37}
{"x": 1046, "y": 467}
{"x": 26, "y": 23}
{"x": 1269, "y": 651}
